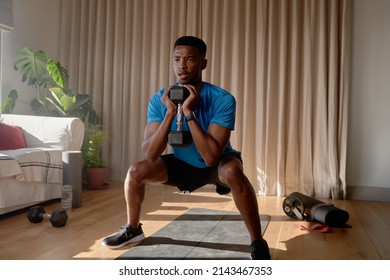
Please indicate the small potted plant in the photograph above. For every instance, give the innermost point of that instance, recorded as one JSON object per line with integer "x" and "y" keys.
{"x": 94, "y": 165}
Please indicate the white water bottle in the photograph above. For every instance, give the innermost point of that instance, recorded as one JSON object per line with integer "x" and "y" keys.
{"x": 66, "y": 198}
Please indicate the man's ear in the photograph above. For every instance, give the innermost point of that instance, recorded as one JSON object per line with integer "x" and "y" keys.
{"x": 204, "y": 63}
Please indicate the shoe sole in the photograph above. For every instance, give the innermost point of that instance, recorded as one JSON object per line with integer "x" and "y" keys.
{"x": 133, "y": 240}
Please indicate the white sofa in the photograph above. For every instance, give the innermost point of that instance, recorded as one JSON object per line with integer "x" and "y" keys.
{"x": 34, "y": 174}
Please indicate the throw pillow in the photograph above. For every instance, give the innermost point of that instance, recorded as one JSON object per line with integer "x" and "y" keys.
{"x": 11, "y": 137}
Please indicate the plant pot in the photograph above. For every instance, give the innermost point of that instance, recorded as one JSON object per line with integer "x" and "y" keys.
{"x": 95, "y": 178}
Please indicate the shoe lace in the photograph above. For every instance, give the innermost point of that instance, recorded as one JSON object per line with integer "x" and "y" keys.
{"x": 124, "y": 230}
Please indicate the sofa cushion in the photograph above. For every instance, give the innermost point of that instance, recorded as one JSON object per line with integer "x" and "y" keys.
{"x": 12, "y": 137}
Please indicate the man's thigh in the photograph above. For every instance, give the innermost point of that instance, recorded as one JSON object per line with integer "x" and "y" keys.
{"x": 150, "y": 172}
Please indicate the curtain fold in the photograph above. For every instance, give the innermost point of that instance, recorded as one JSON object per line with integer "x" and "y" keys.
{"x": 286, "y": 62}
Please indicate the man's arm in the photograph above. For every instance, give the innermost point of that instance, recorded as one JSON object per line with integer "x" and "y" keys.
{"x": 210, "y": 144}
{"x": 155, "y": 133}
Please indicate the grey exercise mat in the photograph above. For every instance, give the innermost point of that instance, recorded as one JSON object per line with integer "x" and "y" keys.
{"x": 198, "y": 234}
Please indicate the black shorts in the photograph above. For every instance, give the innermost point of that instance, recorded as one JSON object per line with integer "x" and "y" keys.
{"x": 189, "y": 178}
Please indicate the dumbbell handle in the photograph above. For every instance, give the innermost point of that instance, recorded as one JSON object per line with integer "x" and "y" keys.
{"x": 45, "y": 216}
{"x": 179, "y": 117}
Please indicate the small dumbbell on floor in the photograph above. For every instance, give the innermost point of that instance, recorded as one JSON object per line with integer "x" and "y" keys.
{"x": 37, "y": 214}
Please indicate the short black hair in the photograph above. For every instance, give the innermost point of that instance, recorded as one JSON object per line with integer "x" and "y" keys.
{"x": 192, "y": 41}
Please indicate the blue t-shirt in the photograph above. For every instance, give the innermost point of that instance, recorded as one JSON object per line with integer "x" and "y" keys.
{"x": 217, "y": 106}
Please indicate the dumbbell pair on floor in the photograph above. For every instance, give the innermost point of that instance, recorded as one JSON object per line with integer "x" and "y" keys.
{"x": 37, "y": 214}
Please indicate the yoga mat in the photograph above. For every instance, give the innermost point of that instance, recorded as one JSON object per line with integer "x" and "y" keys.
{"x": 198, "y": 234}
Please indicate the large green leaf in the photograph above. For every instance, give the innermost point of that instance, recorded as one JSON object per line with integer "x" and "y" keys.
{"x": 32, "y": 65}
{"x": 9, "y": 104}
{"x": 58, "y": 73}
{"x": 68, "y": 104}
{"x": 81, "y": 101}
{"x": 63, "y": 102}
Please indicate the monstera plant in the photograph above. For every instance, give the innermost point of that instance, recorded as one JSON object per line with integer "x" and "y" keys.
{"x": 49, "y": 77}
{"x": 42, "y": 73}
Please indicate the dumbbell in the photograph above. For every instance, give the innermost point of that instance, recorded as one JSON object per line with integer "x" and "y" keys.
{"x": 37, "y": 214}
{"x": 179, "y": 138}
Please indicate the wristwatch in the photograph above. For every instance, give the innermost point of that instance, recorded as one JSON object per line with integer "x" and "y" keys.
{"x": 190, "y": 117}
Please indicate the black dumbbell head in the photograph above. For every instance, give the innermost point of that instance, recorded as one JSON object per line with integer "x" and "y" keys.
{"x": 35, "y": 213}
{"x": 178, "y": 94}
{"x": 179, "y": 138}
{"x": 59, "y": 218}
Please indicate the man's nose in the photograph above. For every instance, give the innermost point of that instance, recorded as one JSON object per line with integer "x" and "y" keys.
{"x": 182, "y": 64}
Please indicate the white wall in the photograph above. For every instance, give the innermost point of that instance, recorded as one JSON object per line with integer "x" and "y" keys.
{"x": 368, "y": 158}
{"x": 37, "y": 25}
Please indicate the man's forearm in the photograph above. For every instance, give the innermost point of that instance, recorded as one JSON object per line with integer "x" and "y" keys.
{"x": 208, "y": 147}
{"x": 155, "y": 143}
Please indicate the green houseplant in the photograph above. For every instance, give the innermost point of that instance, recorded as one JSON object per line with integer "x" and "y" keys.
{"x": 49, "y": 77}
{"x": 94, "y": 164}
{"x": 8, "y": 106}
{"x": 41, "y": 72}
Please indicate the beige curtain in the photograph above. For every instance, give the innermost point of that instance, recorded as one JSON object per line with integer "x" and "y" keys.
{"x": 286, "y": 62}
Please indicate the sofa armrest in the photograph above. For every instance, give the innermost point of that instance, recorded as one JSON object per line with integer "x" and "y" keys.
{"x": 62, "y": 133}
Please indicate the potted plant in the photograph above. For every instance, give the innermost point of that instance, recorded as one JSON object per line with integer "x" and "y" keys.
{"x": 94, "y": 165}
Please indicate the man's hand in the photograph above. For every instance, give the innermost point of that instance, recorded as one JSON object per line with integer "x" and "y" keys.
{"x": 192, "y": 101}
{"x": 171, "y": 107}
{"x": 156, "y": 133}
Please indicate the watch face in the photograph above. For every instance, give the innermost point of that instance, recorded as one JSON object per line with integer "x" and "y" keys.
{"x": 190, "y": 117}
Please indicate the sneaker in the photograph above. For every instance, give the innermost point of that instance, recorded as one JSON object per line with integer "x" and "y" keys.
{"x": 260, "y": 250}
{"x": 124, "y": 236}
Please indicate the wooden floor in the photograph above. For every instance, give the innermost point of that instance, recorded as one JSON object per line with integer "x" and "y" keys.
{"x": 103, "y": 212}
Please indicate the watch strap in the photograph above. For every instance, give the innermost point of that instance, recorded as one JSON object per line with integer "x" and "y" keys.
{"x": 190, "y": 117}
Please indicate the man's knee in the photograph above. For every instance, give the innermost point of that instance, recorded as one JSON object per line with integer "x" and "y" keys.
{"x": 230, "y": 173}
{"x": 135, "y": 172}
{"x": 145, "y": 170}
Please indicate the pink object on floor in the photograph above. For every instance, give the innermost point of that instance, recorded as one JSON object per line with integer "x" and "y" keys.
{"x": 317, "y": 228}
